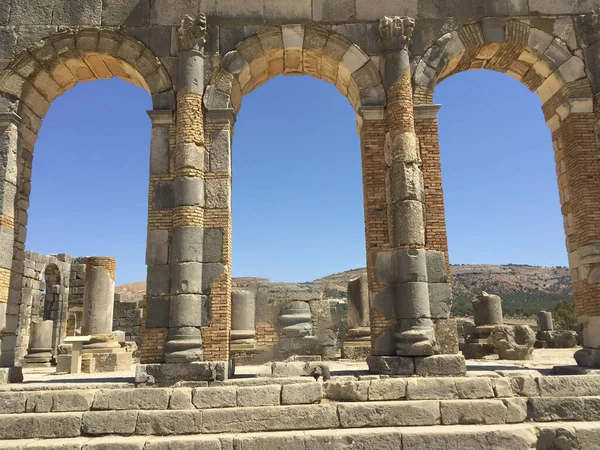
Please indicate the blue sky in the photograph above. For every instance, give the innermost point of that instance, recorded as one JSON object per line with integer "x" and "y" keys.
{"x": 297, "y": 188}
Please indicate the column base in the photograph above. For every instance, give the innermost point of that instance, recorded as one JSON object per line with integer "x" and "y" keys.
{"x": 41, "y": 358}
{"x": 169, "y": 374}
{"x": 436, "y": 365}
{"x": 358, "y": 350}
{"x": 11, "y": 375}
{"x": 98, "y": 361}
{"x": 588, "y": 357}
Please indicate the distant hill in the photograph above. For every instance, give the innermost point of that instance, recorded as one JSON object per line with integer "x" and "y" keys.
{"x": 524, "y": 289}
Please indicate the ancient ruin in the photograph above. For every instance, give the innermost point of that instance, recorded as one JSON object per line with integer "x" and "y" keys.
{"x": 197, "y": 59}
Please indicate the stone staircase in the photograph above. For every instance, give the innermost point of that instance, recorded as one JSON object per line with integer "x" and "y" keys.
{"x": 515, "y": 411}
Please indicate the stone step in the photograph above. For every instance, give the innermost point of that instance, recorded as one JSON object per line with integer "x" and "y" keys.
{"x": 326, "y": 415}
{"x": 571, "y": 435}
{"x": 259, "y": 392}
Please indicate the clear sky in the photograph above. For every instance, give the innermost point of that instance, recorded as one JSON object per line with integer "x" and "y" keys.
{"x": 297, "y": 188}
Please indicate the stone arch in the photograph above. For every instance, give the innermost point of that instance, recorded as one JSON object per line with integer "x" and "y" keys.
{"x": 47, "y": 70}
{"x": 296, "y": 50}
{"x": 539, "y": 60}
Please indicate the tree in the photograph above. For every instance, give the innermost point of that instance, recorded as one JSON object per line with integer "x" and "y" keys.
{"x": 564, "y": 315}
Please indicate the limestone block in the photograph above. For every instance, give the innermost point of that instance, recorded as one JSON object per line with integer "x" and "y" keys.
{"x": 270, "y": 418}
{"x": 12, "y": 402}
{"x": 386, "y": 439}
{"x": 169, "y": 374}
{"x": 128, "y": 12}
{"x": 77, "y": 12}
{"x": 557, "y": 7}
{"x": 411, "y": 301}
{"x": 431, "y": 388}
{"x": 210, "y": 272}
{"x": 292, "y": 11}
{"x": 565, "y": 386}
{"x": 168, "y": 422}
{"x": 163, "y": 195}
{"x": 36, "y": 12}
{"x": 159, "y": 150}
{"x": 187, "y": 244}
{"x": 215, "y": 397}
{"x": 467, "y": 412}
{"x": 407, "y": 226}
{"x": 259, "y": 395}
{"x": 440, "y": 300}
{"x": 157, "y": 247}
{"x": 60, "y": 401}
{"x": 213, "y": 245}
{"x": 487, "y": 310}
{"x": 347, "y": 391}
{"x": 332, "y": 11}
{"x": 391, "y": 365}
{"x": 196, "y": 442}
{"x": 127, "y": 399}
{"x": 366, "y": 10}
{"x": 301, "y": 393}
{"x": 474, "y": 388}
{"x": 249, "y": 10}
{"x": 388, "y": 414}
{"x": 158, "y": 312}
{"x": 159, "y": 280}
{"x": 181, "y": 399}
{"x": 502, "y": 387}
{"x": 555, "y": 409}
{"x": 220, "y": 151}
{"x": 164, "y": 12}
{"x": 109, "y": 422}
{"x": 387, "y": 389}
{"x": 524, "y": 385}
{"x": 40, "y": 426}
{"x": 591, "y": 331}
{"x": 217, "y": 192}
{"x": 516, "y": 409}
{"x": 588, "y": 357}
{"x": 186, "y": 278}
{"x": 186, "y": 310}
{"x": 188, "y": 191}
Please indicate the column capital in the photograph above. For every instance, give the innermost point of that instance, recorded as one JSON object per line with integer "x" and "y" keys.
{"x": 161, "y": 116}
{"x": 426, "y": 111}
{"x": 192, "y": 33}
{"x": 395, "y": 33}
{"x": 9, "y": 118}
{"x": 221, "y": 115}
{"x": 589, "y": 27}
{"x": 372, "y": 112}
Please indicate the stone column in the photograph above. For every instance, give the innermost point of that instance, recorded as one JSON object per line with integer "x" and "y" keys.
{"x": 487, "y": 314}
{"x": 357, "y": 344}
{"x": 243, "y": 308}
{"x": 98, "y": 302}
{"x": 576, "y": 141}
{"x": 9, "y": 309}
{"x": 413, "y": 333}
{"x": 184, "y": 340}
{"x": 545, "y": 321}
{"x": 40, "y": 344}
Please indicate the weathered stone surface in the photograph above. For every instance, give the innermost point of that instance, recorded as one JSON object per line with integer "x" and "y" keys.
{"x": 487, "y": 310}
{"x": 386, "y": 414}
{"x": 301, "y": 394}
{"x": 169, "y": 422}
{"x": 187, "y": 244}
{"x": 516, "y": 409}
{"x": 259, "y": 395}
{"x": 387, "y": 389}
{"x": 274, "y": 418}
{"x": 126, "y": 399}
{"x": 347, "y": 391}
{"x": 169, "y": 374}
{"x": 478, "y": 412}
{"x": 157, "y": 247}
{"x": 197, "y": 442}
{"x": 513, "y": 342}
{"x": 60, "y": 401}
{"x": 440, "y": 365}
{"x": 525, "y": 386}
{"x": 12, "y": 402}
{"x": 431, "y": 388}
{"x": 181, "y": 399}
{"x": 58, "y": 425}
{"x": 391, "y": 365}
{"x": 555, "y": 409}
{"x": 109, "y": 422}
{"x": 566, "y": 386}
{"x": 474, "y": 388}
{"x": 215, "y": 397}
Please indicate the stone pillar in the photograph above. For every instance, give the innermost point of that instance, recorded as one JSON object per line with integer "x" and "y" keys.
{"x": 184, "y": 340}
{"x": 9, "y": 305}
{"x": 243, "y": 308}
{"x": 357, "y": 344}
{"x": 98, "y": 302}
{"x": 413, "y": 331}
{"x": 577, "y": 142}
{"x": 545, "y": 321}
{"x": 40, "y": 344}
{"x": 487, "y": 312}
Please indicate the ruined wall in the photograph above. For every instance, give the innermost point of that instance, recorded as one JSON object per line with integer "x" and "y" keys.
{"x": 127, "y": 317}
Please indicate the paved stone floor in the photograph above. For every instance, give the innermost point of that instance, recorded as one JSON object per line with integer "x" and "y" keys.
{"x": 543, "y": 361}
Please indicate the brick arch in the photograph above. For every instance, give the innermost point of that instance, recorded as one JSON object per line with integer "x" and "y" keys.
{"x": 54, "y": 65}
{"x": 296, "y": 50}
{"x": 540, "y": 61}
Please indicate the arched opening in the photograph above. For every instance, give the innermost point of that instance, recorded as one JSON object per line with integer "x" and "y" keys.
{"x": 502, "y": 207}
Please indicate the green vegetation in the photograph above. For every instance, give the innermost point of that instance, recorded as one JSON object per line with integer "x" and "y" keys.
{"x": 526, "y": 303}
{"x": 564, "y": 315}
